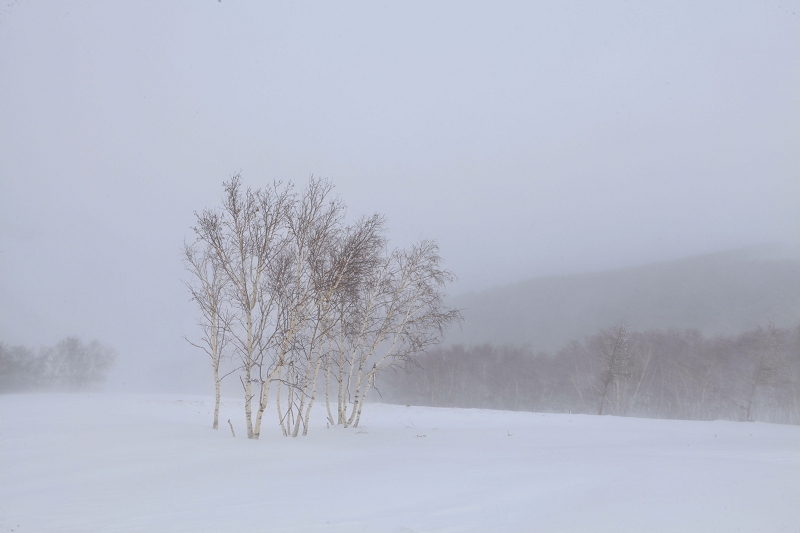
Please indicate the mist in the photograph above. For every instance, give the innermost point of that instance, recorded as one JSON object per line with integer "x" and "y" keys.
{"x": 534, "y": 265}
{"x": 528, "y": 140}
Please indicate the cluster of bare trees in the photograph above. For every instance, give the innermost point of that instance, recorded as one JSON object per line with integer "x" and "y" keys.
{"x": 293, "y": 300}
{"x": 661, "y": 374}
{"x": 70, "y": 365}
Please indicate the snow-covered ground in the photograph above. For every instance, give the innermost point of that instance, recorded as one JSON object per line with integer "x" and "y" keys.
{"x": 92, "y": 463}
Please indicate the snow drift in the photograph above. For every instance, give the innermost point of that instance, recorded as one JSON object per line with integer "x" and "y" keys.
{"x": 78, "y": 463}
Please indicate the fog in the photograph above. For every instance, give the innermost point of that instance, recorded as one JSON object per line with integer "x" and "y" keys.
{"x": 529, "y": 140}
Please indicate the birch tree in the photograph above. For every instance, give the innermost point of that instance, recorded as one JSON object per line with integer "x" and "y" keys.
{"x": 337, "y": 270}
{"x": 398, "y": 312}
{"x": 324, "y": 260}
{"x": 207, "y": 287}
{"x": 311, "y": 222}
{"x": 245, "y": 236}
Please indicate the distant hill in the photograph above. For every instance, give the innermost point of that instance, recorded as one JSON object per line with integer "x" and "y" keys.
{"x": 720, "y": 293}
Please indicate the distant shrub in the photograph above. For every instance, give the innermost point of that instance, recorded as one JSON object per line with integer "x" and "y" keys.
{"x": 71, "y": 365}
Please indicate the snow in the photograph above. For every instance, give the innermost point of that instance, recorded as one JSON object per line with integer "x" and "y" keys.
{"x": 125, "y": 463}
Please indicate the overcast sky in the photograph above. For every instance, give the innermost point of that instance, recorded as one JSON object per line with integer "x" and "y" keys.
{"x": 528, "y": 138}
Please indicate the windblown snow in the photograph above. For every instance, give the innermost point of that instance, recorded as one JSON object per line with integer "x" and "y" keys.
{"x": 103, "y": 463}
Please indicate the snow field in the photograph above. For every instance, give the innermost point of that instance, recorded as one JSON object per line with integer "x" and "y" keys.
{"x": 126, "y": 463}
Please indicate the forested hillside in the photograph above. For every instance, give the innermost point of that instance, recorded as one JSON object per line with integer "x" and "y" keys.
{"x": 713, "y": 336}
{"x": 725, "y": 293}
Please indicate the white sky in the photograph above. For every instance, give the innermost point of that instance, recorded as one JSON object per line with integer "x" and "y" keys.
{"x": 528, "y": 138}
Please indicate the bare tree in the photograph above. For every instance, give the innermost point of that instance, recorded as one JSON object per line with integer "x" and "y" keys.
{"x": 207, "y": 288}
{"x": 313, "y": 223}
{"x": 617, "y": 360}
{"x": 78, "y": 366}
{"x": 245, "y": 237}
{"x": 393, "y": 318}
{"x": 338, "y": 269}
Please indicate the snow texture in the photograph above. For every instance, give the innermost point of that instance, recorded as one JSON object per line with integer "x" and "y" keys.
{"x": 102, "y": 463}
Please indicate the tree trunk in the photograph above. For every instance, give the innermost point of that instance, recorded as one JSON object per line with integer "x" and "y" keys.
{"x": 327, "y": 387}
{"x": 370, "y": 380}
{"x": 313, "y": 397}
{"x": 262, "y": 406}
{"x": 356, "y": 397}
{"x": 750, "y": 402}
{"x": 247, "y": 399}
{"x": 341, "y": 407}
{"x": 603, "y": 398}
{"x": 216, "y": 396}
{"x": 248, "y": 390}
{"x": 278, "y": 405}
{"x": 301, "y": 406}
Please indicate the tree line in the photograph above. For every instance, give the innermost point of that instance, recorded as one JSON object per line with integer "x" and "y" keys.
{"x": 70, "y": 365}
{"x": 754, "y": 375}
{"x": 298, "y": 304}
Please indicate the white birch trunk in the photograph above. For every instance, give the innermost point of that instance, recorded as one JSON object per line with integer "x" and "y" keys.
{"x": 248, "y": 391}
{"x": 340, "y": 395}
{"x": 216, "y": 396}
{"x": 313, "y": 397}
{"x": 370, "y": 380}
{"x": 262, "y": 406}
{"x": 327, "y": 389}
{"x": 278, "y": 405}
{"x": 300, "y": 407}
{"x": 247, "y": 398}
{"x": 356, "y": 396}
